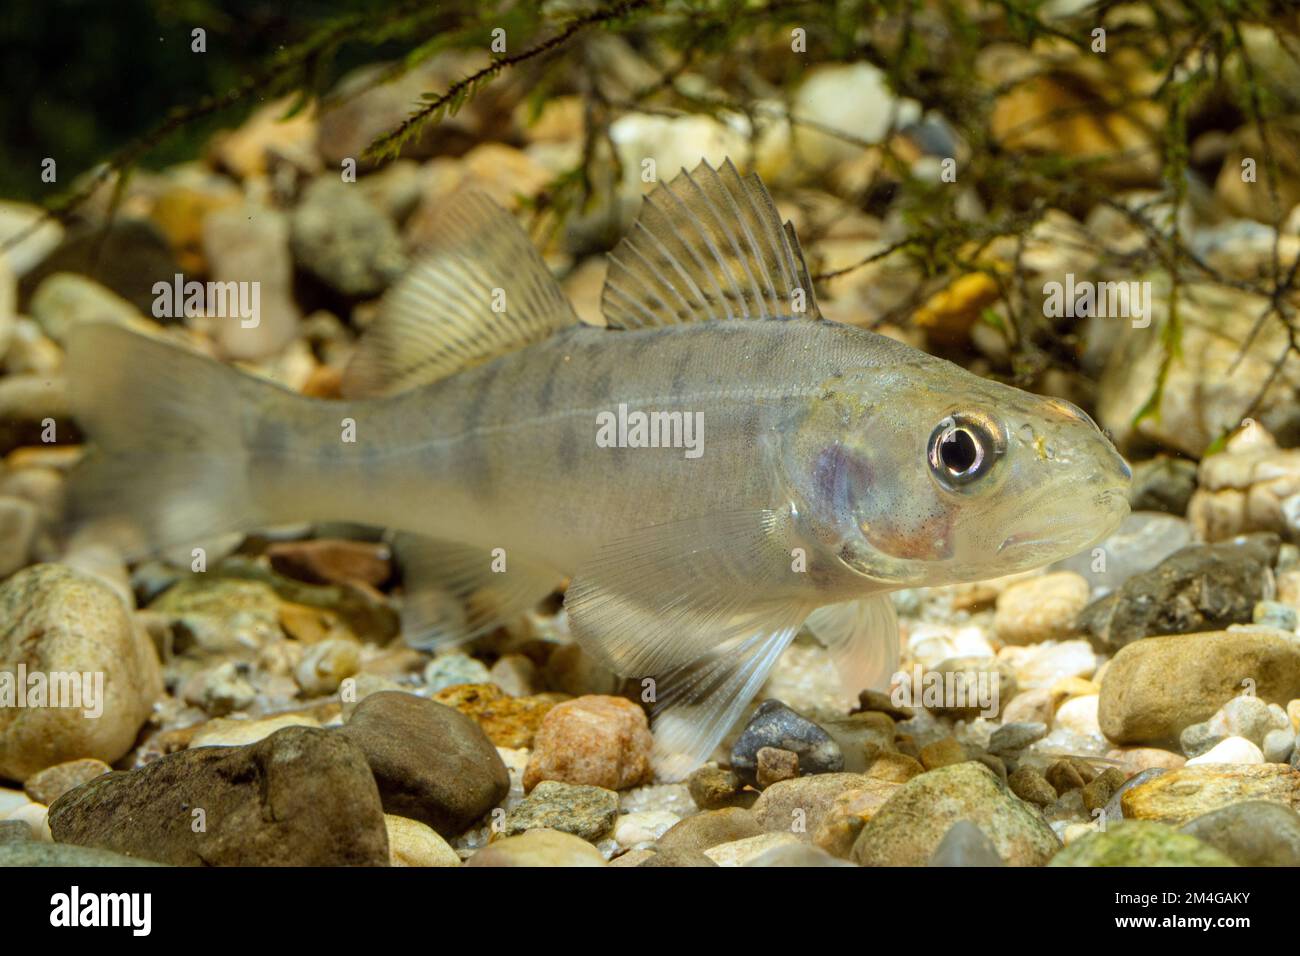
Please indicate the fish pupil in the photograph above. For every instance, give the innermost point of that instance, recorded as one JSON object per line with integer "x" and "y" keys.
{"x": 958, "y": 451}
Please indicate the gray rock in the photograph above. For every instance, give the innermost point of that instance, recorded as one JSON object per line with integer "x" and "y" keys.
{"x": 449, "y": 670}
{"x": 796, "y": 854}
{"x": 1275, "y": 614}
{"x": 304, "y": 796}
{"x": 346, "y": 241}
{"x": 1163, "y": 483}
{"x": 587, "y": 812}
{"x": 1012, "y": 738}
{"x": 776, "y": 725}
{"x": 431, "y": 762}
{"x": 1204, "y": 587}
{"x": 1253, "y": 833}
{"x": 1278, "y": 746}
{"x": 26, "y": 853}
{"x": 909, "y": 828}
{"x": 965, "y": 845}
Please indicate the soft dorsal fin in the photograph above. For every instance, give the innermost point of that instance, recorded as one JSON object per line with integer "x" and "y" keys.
{"x": 477, "y": 291}
{"x": 708, "y": 245}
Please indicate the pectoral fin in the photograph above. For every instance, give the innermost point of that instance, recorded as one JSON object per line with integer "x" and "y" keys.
{"x": 862, "y": 638}
{"x": 453, "y": 592}
{"x": 667, "y": 595}
{"x": 699, "y": 702}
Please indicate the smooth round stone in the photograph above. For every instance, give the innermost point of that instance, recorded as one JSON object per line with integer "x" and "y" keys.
{"x": 1079, "y": 715}
{"x": 743, "y": 852}
{"x": 1140, "y": 843}
{"x": 1278, "y": 746}
{"x": 451, "y": 670}
{"x": 36, "y": 816}
{"x": 796, "y": 854}
{"x": 1252, "y": 832}
{"x": 538, "y": 848}
{"x": 644, "y": 827}
{"x": 1040, "y": 609}
{"x": 412, "y": 843}
{"x": 1237, "y": 750}
{"x": 1010, "y": 738}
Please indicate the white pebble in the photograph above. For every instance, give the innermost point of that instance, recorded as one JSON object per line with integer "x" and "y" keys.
{"x": 1079, "y": 715}
{"x": 1237, "y": 750}
{"x": 644, "y": 827}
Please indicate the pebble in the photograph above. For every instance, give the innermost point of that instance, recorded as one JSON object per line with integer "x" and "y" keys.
{"x": 1046, "y": 665}
{"x": 895, "y": 768}
{"x": 224, "y": 732}
{"x": 1156, "y": 687}
{"x": 871, "y": 701}
{"x": 1011, "y": 738}
{"x": 538, "y": 848}
{"x": 1035, "y": 706}
{"x": 645, "y": 827}
{"x": 1200, "y": 588}
{"x": 452, "y": 670}
{"x": 942, "y": 753}
{"x": 1237, "y": 750}
{"x": 1069, "y": 773}
{"x": 326, "y": 665}
{"x": 411, "y": 843}
{"x": 332, "y": 561}
{"x": 1274, "y": 614}
{"x": 32, "y": 853}
{"x": 713, "y": 788}
{"x": 1140, "y": 843}
{"x": 1134, "y": 760}
{"x": 709, "y": 828}
{"x": 1162, "y": 484}
{"x": 587, "y": 812}
{"x": 301, "y": 797}
{"x": 571, "y": 670}
{"x": 1099, "y": 791}
{"x": 344, "y": 240}
{"x": 775, "y": 765}
{"x": 429, "y": 762}
{"x": 1244, "y": 716}
{"x": 861, "y": 737}
{"x": 745, "y": 852}
{"x": 250, "y": 243}
{"x": 515, "y": 674}
{"x": 53, "y": 782}
{"x": 1079, "y": 715}
{"x": 221, "y": 690}
{"x": 800, "y": 806}
{"x": 1030, "y": 785}
{"x": 597, "y": 740}
{"x": 223, "y": 616}
{"x": 774, "y": 725}
{"x": 908, "y": 829}
{"x": 1177, "y": 796}
{"x": 1252, "y": 833}
{"x": 971, "y": 676}
{"x": 1040, "y": 609}
{"x": 677, "y": 857}
{"x": 1278, "y": 745}
{"x": 965, "y": 845}
{"x": 508, "y": 721}
{"x": 54, "y": 620}
{"x": 849, "y": 812}
{"x": 35, "y": 816}
{"x": 1142, "y": 541}
{"x": 786, "y": 854}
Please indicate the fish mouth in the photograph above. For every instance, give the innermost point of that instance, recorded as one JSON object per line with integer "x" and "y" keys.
{"x": 1057, "y": 538}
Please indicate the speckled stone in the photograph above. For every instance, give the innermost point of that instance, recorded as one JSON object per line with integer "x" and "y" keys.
{"x": 596, "y": 740}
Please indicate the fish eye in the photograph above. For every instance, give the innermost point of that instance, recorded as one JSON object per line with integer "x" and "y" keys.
{"x": 962, "y": 449}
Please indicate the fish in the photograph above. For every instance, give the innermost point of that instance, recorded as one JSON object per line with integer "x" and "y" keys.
{"x": 512, "y": 448}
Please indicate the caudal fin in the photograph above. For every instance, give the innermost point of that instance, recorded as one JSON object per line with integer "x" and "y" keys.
{"x": 168, "y": 463}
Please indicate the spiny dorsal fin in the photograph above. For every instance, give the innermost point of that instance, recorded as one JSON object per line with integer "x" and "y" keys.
{"x": 709, "y": 245}
{"x": 439, "y": 318}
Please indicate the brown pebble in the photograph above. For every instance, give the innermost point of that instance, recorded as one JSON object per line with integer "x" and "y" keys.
{"x": 775, "y": 765}
{"x": 1098, "y": 792}
{"x": 713, "y": 788}
{"x": 51, "y": 783}
{"x": 874, "y": 700}
{"x": 332, "y": 561}
{"x": 1069, "y": 773}
{"x": 1031, "y": 786}
{"x": 895, "y": 768}
{"x": 942, "y": 753}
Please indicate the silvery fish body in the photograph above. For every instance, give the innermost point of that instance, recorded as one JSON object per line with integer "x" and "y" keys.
{"x": 716, "y": 470}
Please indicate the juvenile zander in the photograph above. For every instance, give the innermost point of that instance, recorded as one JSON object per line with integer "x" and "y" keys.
{"x": 834, "y": 465}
